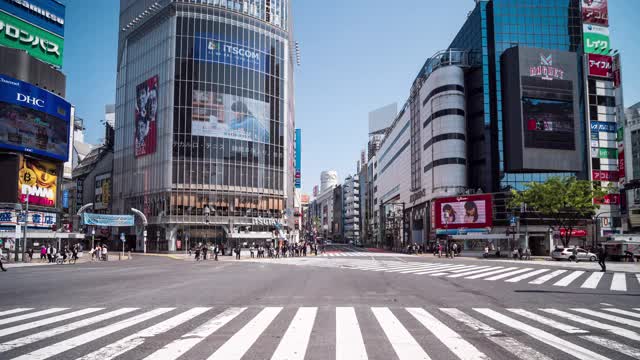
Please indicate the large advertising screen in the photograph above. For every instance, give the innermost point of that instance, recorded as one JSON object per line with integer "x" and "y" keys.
{"x": 549, "y": 124}
{"x": 595, "y": 12}
{"x": 596, "y": 39}
{"x": 46, "y": 14}
{"x": 229, "y": 116}
{"x": 146, "y": 117}
{"x": 473, "y": 211}
{"x": 216, "y": 48}
{"x": 33, "y": 120}
{"x": 102, "y": 191}
{"x": 38, "y": 179}
{"x": 42, "y": 45}
{"x": 600, "y": 65}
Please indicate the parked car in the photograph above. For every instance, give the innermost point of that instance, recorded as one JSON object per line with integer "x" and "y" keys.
{"x": 560, "y": 253}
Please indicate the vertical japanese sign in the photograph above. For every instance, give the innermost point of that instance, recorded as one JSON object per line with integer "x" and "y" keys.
{"x": 298, "y": 179}
{"x": 146, "y": 117}
{"x": 595, "y": 12}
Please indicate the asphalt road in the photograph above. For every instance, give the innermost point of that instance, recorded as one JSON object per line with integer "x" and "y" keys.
{"x": 376, "y": 306}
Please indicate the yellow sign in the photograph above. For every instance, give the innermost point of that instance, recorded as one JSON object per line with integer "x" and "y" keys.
{"x": 39, "y": 180}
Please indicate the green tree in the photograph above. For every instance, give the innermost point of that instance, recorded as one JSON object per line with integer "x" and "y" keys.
{"x": 562, "y": 201}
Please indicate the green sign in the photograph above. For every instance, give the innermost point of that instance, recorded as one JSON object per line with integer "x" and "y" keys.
{"x": 605, "y": 153}
{"x": 596, "y": 39}
{"x": 43, "y": 45}
{"x": 620, "y": 136}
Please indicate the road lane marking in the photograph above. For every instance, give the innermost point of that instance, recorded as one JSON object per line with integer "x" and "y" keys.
{"x": 31, "y": 315}
{"x": 403, "y": 343}
{"x": 447, "y": 272}
{"x": 349, "y": 342}
{"x": 623, "y": 312}
{"x": 415, "y": 270}
{"x": 518, "y": 349}
{"x": 508, "y": 274}
{"x": 613, "y": 345}
{"x": 424, "y": 266}
{"x": 526, "y": 276}
{"x": 475, "y": 272}
{"x": 481, "y": 275}
{"x": 132, "y": 341}
{"x": 619, "y": 282}
{"x": 592, "y": 281}
{"x": 541, "y": 335}
{"x": 240, "y": 342}
{"x": 451, "y": 339}
{"x": 544, "y": 278}
{"x": 569, "y": 278}
{"x": 46, "y": 321}
{"x": 14, "y": 311}
{"x": 549, "y": 322}
{"x": 609, "y": 317}
{"x": 433, "y": 271}
{"x": 293, "y": 345}
{"x": 579, "y": 319}
{"x": 180, "y": 346}
{"x": 55, "y": 349}
{"x": 21, "y": 341}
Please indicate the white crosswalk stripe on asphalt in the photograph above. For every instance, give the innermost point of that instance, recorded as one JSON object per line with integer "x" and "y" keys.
{"x": 410, "y": 333}
{"x": 565, "y": 281}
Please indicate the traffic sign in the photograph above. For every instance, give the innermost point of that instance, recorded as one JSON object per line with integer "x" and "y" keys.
{"x": 122, "y": 237}
{"x": 513, "y": 221}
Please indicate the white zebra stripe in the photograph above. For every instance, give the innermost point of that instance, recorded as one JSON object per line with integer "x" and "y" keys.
{"x": 481, "y": 275}
{"x": 31, "y": 315}
{"x": 432, "y": 271}
{"x": 475, "y": 272}
{"x": 14, "y": 311}
{"x": 46, "y": 321}
{"x": 544, "y": 278}
{"x": 293, "y": 345}
{"x": 613, "y": 345}
{"x": 619, "y": 282}
{"x": 592, "y": 281}
{"x": 582, "y": 320}
{"x": 549, "y": 322}
{"x": 569, "y": 278}
{"x": 509, "y": 274}
{"x": 349, "y": 342}
{"x": 526, "y": 276}
{"x": 548, "y": 338}
{"x": 404, "y": 345}
{"x": 613, "y": 318}
{"x": 623, "y": 312}
{"x": 240, "y": 342}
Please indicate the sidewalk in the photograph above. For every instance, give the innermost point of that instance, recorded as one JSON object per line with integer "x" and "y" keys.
{"x": 86, "y": 258}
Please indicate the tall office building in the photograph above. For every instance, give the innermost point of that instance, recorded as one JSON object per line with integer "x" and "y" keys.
{"x": 205, "y": 120}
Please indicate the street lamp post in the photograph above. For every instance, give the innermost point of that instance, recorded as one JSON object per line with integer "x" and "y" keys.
{"x": 24, "y": 232}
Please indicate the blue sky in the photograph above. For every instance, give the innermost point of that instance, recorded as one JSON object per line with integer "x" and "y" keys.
{"x": 356, "y": 56}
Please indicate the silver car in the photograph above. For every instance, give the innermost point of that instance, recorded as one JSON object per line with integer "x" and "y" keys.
{"x": 567, "y": 254}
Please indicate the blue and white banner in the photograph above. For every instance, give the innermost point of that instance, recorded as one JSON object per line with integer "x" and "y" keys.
{"x": 219, "y": 49}
{"x": 46, "y": 14}
{"x": 597, "y": 126}
{"x": 108, "y": 220}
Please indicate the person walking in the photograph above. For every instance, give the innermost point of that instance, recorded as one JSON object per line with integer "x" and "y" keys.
{"x": 602, "y": 257}
{"x": 486, "y": 252}
{"x": 49, "y": 250}
{"x": 252, "y": 249}
{"x": 1, "y": 256}
{"x": 527, "y": 253}
{"x": 204, "y": 252}
{"x": 238, "y": 252}
{"x": 215, "y": 253}
{"x": 197, "y": 253}
{"x": 574, "y": 252}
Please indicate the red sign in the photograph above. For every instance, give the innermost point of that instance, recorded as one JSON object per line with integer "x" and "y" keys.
{"x": 617, "y": 78}
{"x": 609, "y": 199}
{"x": 545, "y": 69}
{"x": 574, "y": 232}
{"x": 595, "y": 12}
{"x": 621, "y": 165}
{"x": 473, "y": 211}
{"x": 146, "y": 117}
{"x": 600, "y": 65}
{"x": 604, "y": 175}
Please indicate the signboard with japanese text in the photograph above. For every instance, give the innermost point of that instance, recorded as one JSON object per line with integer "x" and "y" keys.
{"x": 595, "y": 12}
{"x": 38, "y": 179}
{"x": 596, "y": 39}
{"x": 600, "y": 65}
{"x": 605, "y": 175}
{"x": 21, "y": 35}
{"x": 36, "y": 219}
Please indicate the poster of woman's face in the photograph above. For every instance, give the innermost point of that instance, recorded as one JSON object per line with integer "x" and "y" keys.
{"x": 146, "y": 116}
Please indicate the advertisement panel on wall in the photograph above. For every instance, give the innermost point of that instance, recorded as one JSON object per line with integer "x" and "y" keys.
{"x": 146, "y": 117}
{"x": 46, "y": 14}
{"x": 33, "y": 120}
{"x": 609, "y": 199}
{"x": 102, "y": 192}
{"x": 595, "y": 12}
{"x": 298, "y": 179}
{"x": 604, "y": 153}
{"x": 600, "y": 65}
{"x": 596, "y": 39}
{"x": 597, "y": 126}
{"x": 617, "y": 78}
{"x": 36, "y": 219}
{"x": 39, "y": 180}
{"x": 108, "y": 220}
{"x": 549, "y": 124}
{"x": 219, "y": 49}
{"x": 604, "y": 175}
{"x": 229, "y": 116}
{"x": 473, "y": 211}
{"x": 42, "y": 45}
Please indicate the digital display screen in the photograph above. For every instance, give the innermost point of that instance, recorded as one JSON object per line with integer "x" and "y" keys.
{"x": 463, "y": 212}
{"x": 549, "y": 124}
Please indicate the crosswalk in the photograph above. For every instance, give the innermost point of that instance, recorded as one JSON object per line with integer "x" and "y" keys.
{"x": 325, "y": 332}
{"x": 362, "y": 254}
{"x": 617, "y": 282}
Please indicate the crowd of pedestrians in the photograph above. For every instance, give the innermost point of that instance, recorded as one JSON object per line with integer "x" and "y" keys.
{"x": 257, "y": 251}
{"x": 100, "y": 253}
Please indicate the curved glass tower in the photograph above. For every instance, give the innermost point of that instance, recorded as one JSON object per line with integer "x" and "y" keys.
{"x": 205, "y": 120}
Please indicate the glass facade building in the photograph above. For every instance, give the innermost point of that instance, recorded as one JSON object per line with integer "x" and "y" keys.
{"x": 491, "y": 28}
{"x": 204, "y": 119}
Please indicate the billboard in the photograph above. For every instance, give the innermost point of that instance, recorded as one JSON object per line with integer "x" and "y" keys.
{"x": 600, "y": 65}
{"x": 36, "y": 219}
{"x": 473, "y": 211}
{"x": 146, "y": 117}
{"x": 102, "y": 191}
{"x": 108, "y": 220}
{"x": 617, "y": 79}
{"x": 597, "y": 126}
{"x": 595, "y": 12}
{"x": 33, "y": 120}
{"x": 298, "y": 179}
{"x": 229, "y": 116}
{"x": 604, "y": 175}
{"x": 39, "y": 180}
{"x": 42, "y": 45}
{"x": 549, "y": 124}
{"x": 46, "y": 14}
{"x": 596, "y": 39}
{"x": 604, "y": 153}
{"x": 216, "y": 48}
